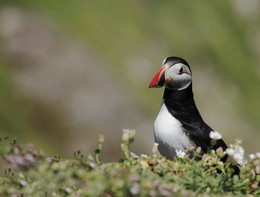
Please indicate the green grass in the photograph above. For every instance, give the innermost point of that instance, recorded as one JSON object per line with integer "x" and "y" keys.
{"x": 31, "y": 173}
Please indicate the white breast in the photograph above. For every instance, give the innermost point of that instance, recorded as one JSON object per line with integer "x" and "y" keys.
{"x": 169, "y": 134}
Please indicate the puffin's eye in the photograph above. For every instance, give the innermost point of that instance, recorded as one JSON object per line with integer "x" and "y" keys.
{"x": 181, "y": 70}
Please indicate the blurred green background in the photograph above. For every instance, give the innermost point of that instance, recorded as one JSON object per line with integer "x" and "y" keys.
{"x": 70, "y": 70}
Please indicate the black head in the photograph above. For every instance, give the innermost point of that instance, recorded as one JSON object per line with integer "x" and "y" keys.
{"x": 175, "y": 74}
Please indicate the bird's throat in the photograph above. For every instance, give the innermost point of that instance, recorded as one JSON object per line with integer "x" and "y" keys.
{"x": 181, "y": 105}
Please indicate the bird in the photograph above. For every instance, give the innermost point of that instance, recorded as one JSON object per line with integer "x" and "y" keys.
{"x": 178, "y": 125}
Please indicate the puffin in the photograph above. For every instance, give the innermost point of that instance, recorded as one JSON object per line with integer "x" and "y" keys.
{"x": 178, "y": 125}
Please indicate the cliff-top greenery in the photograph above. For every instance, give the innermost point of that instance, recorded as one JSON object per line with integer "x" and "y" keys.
{"x": 31, "y": 173}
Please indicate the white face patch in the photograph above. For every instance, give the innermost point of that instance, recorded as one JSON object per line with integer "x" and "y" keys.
{"x": 173, "y": 70}
{"x": 180, "y": 76}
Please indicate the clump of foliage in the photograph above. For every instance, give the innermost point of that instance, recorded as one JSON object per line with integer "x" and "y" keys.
{"x": 31, "y": 173}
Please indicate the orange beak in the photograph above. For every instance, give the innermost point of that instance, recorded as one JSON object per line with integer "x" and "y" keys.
{"x": 159, "y": 79}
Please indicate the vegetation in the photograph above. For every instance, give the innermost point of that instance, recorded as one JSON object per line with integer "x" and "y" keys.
{"x": 31, "y": 173}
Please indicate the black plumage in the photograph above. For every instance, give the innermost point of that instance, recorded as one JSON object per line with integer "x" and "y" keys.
{"x": 178, "y": 119}
{"x": 182, "y": 106}
{"x": 178, "y": 97}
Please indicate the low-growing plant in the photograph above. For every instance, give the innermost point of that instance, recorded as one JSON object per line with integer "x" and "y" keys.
{"x": 31, "y": 173}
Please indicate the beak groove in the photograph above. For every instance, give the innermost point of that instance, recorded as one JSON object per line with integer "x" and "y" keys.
{"x": 158, "y": 80}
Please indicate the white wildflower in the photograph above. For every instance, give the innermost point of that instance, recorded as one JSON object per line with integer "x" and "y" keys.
{"x": 134, "y": 155}
{"x": 239, "y": 141}
{"x": 128, "y": 135}
{"x": 251, "y": 156}
{"x": 237, "y": 154}
{"x": 134, "y": 190}
{"x": 23, "y": 183}
{"x": 180, "y": 153}
{"x": 126, "y": 130}
{"x": 215, "y": 135}
{"x": 240, "y": 150}
{"x": 156, "y": 144}
{"x": 257, "y": 154}
{"x": 144, "y": 155}
{"x": 125, "y": 136}
{"x": 68, "y": 190}
{"x": 230, "y": 151}
{"x": 244, "y": 162}
{"x": 239, "y": 158}
{"x": 92, "y": 165}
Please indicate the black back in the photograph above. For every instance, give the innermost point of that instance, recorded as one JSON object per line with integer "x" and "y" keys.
{"x": 181, "y": 105}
